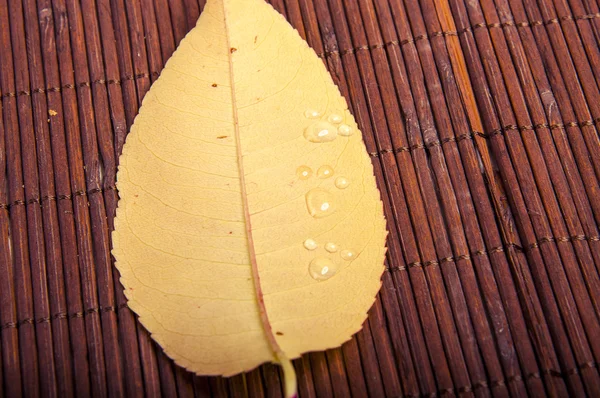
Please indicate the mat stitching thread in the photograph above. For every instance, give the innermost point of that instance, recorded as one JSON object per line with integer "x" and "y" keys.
{"x": 498, "y": 249}
{"x": 49, "y": 198}
{"x": 81, "y": 84}
{"x": 449, "y": 259}
{"x": 511, "y": 379}
{"x": 493, "y": 133}
{"x": 63, "y": 315}
{"x": 458, "y": 32}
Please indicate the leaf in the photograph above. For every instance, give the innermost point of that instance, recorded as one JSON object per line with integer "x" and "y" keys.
{"x": 250, "y": 228}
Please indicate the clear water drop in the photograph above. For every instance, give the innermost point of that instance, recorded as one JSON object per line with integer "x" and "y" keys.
{"x": 348, "y": 255}
{"x": 342, "y": 182}
{"x": 320, "y": 132}
{"x": 320, "y": 203}
{"x": 325, "y": 172}
{"x": 345, "y": 130}
{"x": 335, "y": 118}
{"x": 304, "y": 172}
{"x": 322, "y": 268}
{"x": 310, "y": 244}
{"x": 312, "y": 114}
{"x": 331, "y": 247}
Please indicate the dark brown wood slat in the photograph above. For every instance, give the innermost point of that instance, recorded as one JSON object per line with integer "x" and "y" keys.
{"x": 467, "y": 212}
{"x": 149, "y": 363}
{"x": 590, "y": 322}
{"x": 385, "y": 356}
{"x": 123, "y": 56}
{"x": 401, "y": 347}
{"x": 237, "y": 386}
{"x": 354, "y": 370}
{"x": 518, "y": 194}
{"x": 185, "y": 383}
{"x": 54, "y": 255}
{"x": 165, "y": 32}
{"x": 320, "y": 374}
{"x": 8, "y": 310}
{"x": 481, "y": 205}
{"x": 337, "y": 372}
{"x": 100, "y": 166}
{"x": 279, "y": 6}
{"x": 127, "y": 322}
{"x": 559, "y": 179}
{"x": 80, "y": 206}
{"x": 520, "y": 270}
{"x": 576, "y": 72}
{"x": 553, "y": 93}
{"x": 192, "y": 11}
{"x": 306, "y": 386}
{"x": 178, "y": 20}
{"x": 16, "y": 172}
{"x": 567, "y": 158}
{"x": 580, "y": 31}
{"x": 255, "y": 384}
{"x": 201, "y": 387}
{"x": 167, "y": 376}
{"x": 272, "y": 379}
{"x": 535, "y": 116}
{"x": 591, "y": 7}
{"x": 218, "y": 387}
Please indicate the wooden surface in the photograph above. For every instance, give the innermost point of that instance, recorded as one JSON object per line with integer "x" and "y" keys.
{"x": 481, "y": 118}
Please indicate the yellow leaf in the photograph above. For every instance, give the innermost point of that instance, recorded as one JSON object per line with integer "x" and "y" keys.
{"x": 250, "y": 228}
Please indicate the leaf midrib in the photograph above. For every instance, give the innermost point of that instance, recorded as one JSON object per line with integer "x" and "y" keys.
{"x": 278, "y": 353}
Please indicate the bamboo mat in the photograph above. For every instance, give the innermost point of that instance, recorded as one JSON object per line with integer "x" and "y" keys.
{"x": 481, "y": 118}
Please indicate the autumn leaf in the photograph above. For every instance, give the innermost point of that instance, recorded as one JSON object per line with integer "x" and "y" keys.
{"x": 250, "y": 228}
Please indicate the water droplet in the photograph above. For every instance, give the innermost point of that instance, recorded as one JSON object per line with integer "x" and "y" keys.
{"x": 342, "y": 182}
{"x": 345, "y": 130}
{"x": 335, "y": 118}
{"x": 310, "y": 244}
{"x": 320, "y": 132}
{"x": 331, "y": 247}
{"x": 312, "y": 114}
{"x": 304, "y": 172}
{"x": 325, "y": 172}
{"x": 348, "y": 255}
{"x": 322, "y": 268}
{"x": 319, "y": 203}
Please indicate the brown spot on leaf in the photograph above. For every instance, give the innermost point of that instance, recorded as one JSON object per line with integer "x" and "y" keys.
{"x": 221, "y": 137}
{"x": 255, "y": 39}
{"x": 233, "y": 49}
{"x": 279, "y": 333}
{"x": 214, "y": 84}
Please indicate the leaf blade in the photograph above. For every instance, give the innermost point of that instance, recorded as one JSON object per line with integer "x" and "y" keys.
{"x": 230, "y": 109}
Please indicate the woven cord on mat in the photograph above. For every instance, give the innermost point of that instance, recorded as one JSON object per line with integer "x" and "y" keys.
{"x": 481, "y": 119}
